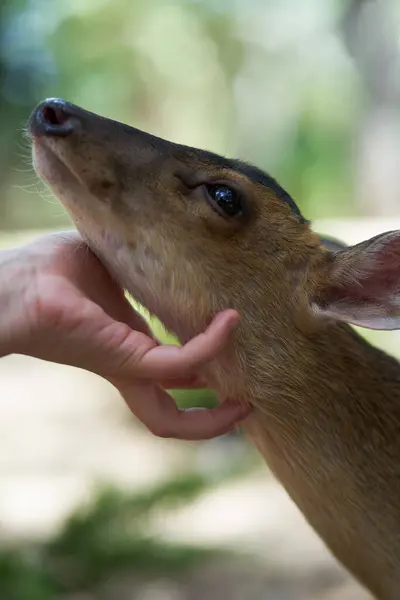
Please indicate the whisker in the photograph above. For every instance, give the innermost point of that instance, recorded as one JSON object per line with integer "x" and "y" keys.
{"x": 45, "y": 194}
{"x": 17, "y": 170}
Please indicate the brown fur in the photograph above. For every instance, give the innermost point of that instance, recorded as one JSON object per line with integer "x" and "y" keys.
{"x": 327, "y": 404}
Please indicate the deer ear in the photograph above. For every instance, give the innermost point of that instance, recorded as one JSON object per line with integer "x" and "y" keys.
{"x": 362, "y": 284}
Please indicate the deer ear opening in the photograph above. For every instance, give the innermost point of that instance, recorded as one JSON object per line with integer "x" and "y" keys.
{"x": 362, "y": 284}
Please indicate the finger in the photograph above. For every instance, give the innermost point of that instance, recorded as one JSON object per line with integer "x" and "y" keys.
{"x": 134, "y": 354}
{"x": 164, "y": 362}
{"x": 158, "y": 412}
{"x": 203, "y": 424}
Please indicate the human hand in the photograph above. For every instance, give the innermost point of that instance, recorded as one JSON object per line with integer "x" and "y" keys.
{"x": 60, "y": 304}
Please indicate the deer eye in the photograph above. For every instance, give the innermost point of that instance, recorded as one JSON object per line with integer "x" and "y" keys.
{"x": 224, "y": 200}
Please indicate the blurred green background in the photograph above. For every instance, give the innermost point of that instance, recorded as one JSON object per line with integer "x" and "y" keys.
{"x": 305, "y": 89}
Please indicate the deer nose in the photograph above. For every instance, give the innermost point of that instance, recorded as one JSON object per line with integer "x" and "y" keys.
{"x": 54, "y": 117}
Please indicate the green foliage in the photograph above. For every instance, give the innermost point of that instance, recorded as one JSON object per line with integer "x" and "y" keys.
{"x": 22, "y": 576}
{"x": 108, "y": 537}
{"x": 197, "y": 72}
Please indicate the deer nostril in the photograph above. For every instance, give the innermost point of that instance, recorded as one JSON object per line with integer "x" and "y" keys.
{"x": 54, "y": 116}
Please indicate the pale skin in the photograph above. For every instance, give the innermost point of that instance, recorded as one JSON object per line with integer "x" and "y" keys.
{"x": 58, "y": 303}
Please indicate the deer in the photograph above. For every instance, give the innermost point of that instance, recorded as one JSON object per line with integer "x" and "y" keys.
{"x": 189, "y": 233}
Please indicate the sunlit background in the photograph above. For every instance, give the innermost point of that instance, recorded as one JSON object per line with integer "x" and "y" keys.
{"x": 92, "y": 507}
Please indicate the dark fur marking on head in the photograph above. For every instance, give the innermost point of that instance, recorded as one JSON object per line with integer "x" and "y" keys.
{"x": 259, "y": 176}
{"x": 253, "y": 173}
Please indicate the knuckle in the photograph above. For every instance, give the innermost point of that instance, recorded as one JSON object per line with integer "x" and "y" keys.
{"x": 134, "y": 346}
{"x": 54, "y": 305}
{"x": 48, "y": 307}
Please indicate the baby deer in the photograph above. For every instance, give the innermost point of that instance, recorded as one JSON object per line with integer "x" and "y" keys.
{"x": 190, "y": 233}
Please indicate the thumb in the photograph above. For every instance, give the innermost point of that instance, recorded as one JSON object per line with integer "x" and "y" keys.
{"x": 146, "y": 359}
